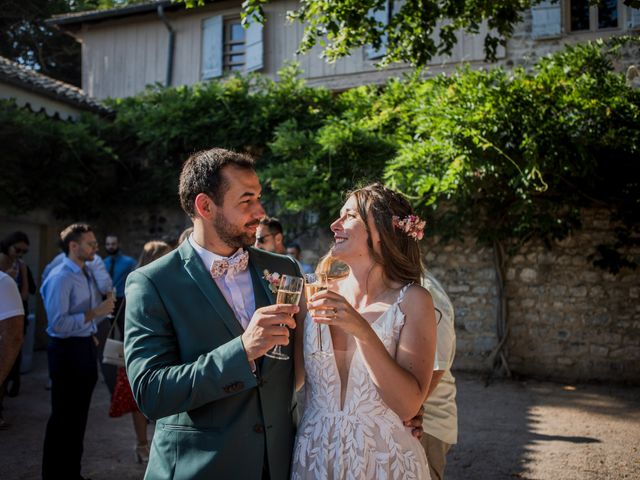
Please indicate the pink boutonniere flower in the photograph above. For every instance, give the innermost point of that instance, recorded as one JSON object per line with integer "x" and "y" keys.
{"x": 273, "y": 280}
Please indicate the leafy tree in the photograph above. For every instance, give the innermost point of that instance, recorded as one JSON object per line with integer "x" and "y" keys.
{"x": 26, "y": 38}
{"x": 414, "y": 31}
{"x": 47, "y": 163}
{"x": 158, "y": 129}
{"x": 506, "y": 156}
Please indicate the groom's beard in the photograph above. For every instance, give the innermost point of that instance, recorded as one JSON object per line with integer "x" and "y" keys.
{"x": 232, "y": 235}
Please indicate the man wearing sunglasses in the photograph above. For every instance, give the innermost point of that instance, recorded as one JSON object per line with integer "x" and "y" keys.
{"x": 270, "y": 236}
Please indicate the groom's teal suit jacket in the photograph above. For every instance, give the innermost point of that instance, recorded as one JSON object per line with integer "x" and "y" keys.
{"x": 188, "y": 370}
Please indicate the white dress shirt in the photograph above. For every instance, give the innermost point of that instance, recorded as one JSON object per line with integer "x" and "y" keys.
{"x": 100, "y": 274}
{"x": 237, "y": 288}
{"x": 68, "y": 293}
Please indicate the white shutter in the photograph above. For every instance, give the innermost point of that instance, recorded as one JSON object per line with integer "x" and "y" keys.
{"x": 381, "y": 16}
{"x": 254, "y": 47}
{"x": 634, "y": 18}
{"x": 212, "y": 45}
{"x": 546, "y": 20}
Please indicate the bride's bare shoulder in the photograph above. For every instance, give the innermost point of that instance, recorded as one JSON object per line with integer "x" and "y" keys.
{"x": 417, "y": 299}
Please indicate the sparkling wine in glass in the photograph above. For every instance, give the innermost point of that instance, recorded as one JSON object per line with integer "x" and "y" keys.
{"x": 314, "y": 283}
{"x": 289, "y": 293}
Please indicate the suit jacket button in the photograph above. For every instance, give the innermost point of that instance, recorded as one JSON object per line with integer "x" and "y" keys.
{"x": 258, "y": 428}
{"x": 238, "y": 386}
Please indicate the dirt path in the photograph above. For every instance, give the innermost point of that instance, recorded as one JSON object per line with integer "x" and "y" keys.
{"x": 528, "y": 430}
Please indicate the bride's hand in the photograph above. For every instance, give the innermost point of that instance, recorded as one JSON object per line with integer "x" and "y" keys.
{"x": 331, "y": 308}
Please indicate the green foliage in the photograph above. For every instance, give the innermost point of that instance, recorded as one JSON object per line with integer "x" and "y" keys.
{"x": 26, "y": 38}
{"x": 515, "y": 155}
{"x": 51, "y": 164}
{"x": 505, "y": 155}
{"x": 162, "y": 127}
{"x": 415, "y": 32}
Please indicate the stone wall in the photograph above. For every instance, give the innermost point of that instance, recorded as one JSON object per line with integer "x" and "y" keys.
{"x": 568, "y": 319}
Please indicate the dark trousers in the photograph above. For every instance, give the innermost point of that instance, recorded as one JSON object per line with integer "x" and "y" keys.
{"x": 74, "y": 373}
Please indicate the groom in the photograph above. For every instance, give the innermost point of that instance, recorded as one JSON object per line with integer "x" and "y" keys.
{"x": 198, "y": 323}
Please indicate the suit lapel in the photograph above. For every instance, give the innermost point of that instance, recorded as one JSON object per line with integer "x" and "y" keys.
{"x": 261, "y": 291}
{"x": 202, "y": 278}
{"x": 263, "y": 297}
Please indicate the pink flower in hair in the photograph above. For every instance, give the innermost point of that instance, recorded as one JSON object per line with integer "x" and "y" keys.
{"x": 411, "y": 225}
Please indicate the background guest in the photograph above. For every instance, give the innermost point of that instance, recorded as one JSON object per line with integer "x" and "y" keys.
{"x": 12, "y": 249}
{"x": 119, "y": 266}
{"x": 440, "y": 419}
{"x": 294, "y": 250}
{"x": 122, "y": 401}
{"x": 11, "y": 331}
{"x": 74, "y": 306}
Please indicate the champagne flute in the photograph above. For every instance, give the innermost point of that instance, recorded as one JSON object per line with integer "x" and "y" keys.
{"x": 289, "y": 293}
{"x": 317, "y": 282}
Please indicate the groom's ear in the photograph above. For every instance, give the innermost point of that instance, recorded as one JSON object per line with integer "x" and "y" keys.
{"x": 204, "y": 206}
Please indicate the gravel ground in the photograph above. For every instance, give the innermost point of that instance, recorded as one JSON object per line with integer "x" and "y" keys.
{"x": 511, "y": 429}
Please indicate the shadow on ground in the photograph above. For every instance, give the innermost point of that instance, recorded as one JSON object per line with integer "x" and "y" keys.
{"x": 529, "y": 430}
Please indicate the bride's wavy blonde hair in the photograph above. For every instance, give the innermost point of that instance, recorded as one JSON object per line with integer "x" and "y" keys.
{"x": 399, "y": 255}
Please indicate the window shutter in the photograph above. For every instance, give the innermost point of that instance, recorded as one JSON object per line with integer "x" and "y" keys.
{"x": 546, "y": 20}
{"x": 212, "y": 45}
{"x": 634, "y": 18}
{"x": 381, "y": 16}
{"x": 254, "y": 47}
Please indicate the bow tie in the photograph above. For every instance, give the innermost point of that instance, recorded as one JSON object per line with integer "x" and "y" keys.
{"x": 233, "y": 265}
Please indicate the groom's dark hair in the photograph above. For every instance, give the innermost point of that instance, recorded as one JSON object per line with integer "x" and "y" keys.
{"x": 202, "y": 173}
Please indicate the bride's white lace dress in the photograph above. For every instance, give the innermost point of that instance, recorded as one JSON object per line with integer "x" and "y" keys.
{"x": 365, "y": 439}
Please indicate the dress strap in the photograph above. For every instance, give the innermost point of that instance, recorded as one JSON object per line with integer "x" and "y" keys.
{"x": 402, "y": 292}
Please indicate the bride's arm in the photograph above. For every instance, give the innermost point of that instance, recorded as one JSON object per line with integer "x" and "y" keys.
{"x": 403, "y": 382}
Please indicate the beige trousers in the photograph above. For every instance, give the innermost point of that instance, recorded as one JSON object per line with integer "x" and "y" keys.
{"x": 436, "y": 451}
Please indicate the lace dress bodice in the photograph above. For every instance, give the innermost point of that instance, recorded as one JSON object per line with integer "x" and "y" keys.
{"x": 365, "y": 439}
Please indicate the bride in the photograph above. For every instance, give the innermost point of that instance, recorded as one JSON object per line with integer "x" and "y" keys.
{"x": 381, "y": 334}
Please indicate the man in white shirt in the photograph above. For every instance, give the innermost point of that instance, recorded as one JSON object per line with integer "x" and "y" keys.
{"x": 11, "y": 332}
{"x": 440, "y": 420}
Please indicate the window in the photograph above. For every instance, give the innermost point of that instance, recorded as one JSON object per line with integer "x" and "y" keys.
{"x": 227, "y": 46}
{"x": 583, "y": 17}
{"x": 381, "y": 16}
{"x": 234, "y": 46}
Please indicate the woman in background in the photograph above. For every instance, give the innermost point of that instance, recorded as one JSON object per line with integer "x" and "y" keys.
{"x": 122, "y": 401}
{"x": 12, "y": 249}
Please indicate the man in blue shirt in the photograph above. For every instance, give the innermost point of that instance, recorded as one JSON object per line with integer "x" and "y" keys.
{"x": 74, "y": 306}
{"x": 119, "y": 267}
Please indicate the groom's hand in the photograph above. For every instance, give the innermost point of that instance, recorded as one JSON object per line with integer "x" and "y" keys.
{"x": 269, "y": 327}
{"x": 416, "y": 424}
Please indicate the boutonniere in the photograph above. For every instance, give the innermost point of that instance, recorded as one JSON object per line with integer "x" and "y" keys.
{"x": 273, "y": 280}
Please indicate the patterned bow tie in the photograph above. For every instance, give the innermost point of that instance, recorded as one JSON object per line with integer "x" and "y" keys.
{"x": 233, "y": 265}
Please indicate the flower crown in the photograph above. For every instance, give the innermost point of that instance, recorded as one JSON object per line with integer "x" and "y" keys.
{"x": 411, "y": 225}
